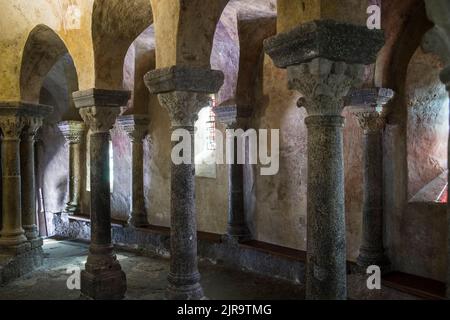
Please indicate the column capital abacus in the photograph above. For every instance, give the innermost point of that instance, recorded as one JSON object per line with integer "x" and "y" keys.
{"x": 99, "y": 108}
{"x": 184, "y": 90}
{"x": 233, "y": 116}
{"x": 72, "y": 130}
{"x": 135, "y": 125}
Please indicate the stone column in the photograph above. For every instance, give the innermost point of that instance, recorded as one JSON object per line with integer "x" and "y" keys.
{"x": 12, "y": 235}
{"x": 183, "y": 91}
{"x": 235, "y": 118}
{"x": 28, "y": 182}
{"x": 73, "y": 132}
{"x": 367, "y": 106}
{"x": 103, "y": 277}
{"x": 324, "y": 60}
{"x": 136, "y": 127}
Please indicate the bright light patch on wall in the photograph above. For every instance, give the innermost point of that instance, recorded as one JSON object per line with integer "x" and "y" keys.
{"x": 205, "y": 144}
{"x": 70, "y": 13}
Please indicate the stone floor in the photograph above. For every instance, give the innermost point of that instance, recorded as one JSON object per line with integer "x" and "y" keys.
{"x": 147, "y": 279}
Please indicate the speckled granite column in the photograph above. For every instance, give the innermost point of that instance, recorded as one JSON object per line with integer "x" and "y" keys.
{"x": 235, "y": 118}
{"x": 136, "y": 127}
{"x": 32, "y": 124}
{"x": 73, "y": 132}
{"x": 12, "y": 235}
{"x": 367, "y": 106}
{"x": 325, "y": 59}
{"x": 103, "y": 277}
{"x": 445, "y": 77}
{"x": 183, "y": 91}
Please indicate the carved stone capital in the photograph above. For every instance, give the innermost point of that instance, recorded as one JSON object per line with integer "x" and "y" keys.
{"x": 31, "y": 126}
{"x": 324, "y": 84}
{"x": 99, "y": 119}
{"x": 16, "y": 116}
{"x": 136, "y": 126}
{"x": 73, "y": 131}
{"x": 11, "y": 126}
{"x": 370, "y": 121}
{"x": 99, "y": 108}
{"x": 183, "y": 106}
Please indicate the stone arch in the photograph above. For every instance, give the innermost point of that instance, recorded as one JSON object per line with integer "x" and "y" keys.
{"x": 115, "y": 25}
{"x": 240, "y": 33}
{"x": 41, "y": 52}
{"x": 140, "y": 59}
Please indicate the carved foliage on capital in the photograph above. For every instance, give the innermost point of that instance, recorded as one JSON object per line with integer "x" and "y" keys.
{"x": 73, "y": 131}
{"x": 324, "y": 84}
{"x": 183, "y": 106}
{"x": 99, "y": 119}
{"x": 136, "y": 132}
{"x": 31, "y": 126}
{"x": 12, "y": 126}
{"x": 370, "y": 122}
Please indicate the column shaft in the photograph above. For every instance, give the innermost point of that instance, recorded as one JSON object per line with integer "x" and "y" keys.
{"x": 184, "y": 276}
{"x": 138, "y": 214}
{"x": 100, "y": 190}
{"x": 73, "y": 205}
{"x": 28, "y": 187}
{"x": 372, "y": 251}
{"x": 326, "y": 251}
{"x": 237, "y": 222}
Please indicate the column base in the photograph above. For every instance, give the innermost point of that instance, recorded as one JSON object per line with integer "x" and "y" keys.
{"x": 36, "y": 243}
{"x": 31, "y": 232}
{"x": 138, "y": 220}
{"x": 186, "y": 292}
{"x": 184, "y": 287}
{"x": 15, "y": 249}
{"x": 103, "y": 278}
{"x": 368, "y": 258}
{"x": 107, "y": 285}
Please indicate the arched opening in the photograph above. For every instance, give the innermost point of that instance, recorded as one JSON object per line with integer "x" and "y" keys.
{"x": 48, "y": 76}
{"x": 427, "y": 129}
{"x": 112, "y": 35}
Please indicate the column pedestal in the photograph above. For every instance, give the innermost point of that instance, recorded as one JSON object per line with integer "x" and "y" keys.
{"x": 323, "y": 64}
{"x": 183, "y": 91}
{"x": 103, "y": 278}
{"x": 73, "y": 132}
{"x": 136, "y": 127}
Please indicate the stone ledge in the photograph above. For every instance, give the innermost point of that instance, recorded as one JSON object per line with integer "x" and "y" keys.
{"x": 184, "y": 78}
{"x": 325, "y": 39}
{"x": 15, "y": 266}
{"x": 213, "y": 247}
{"x": 101, "y": 98}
